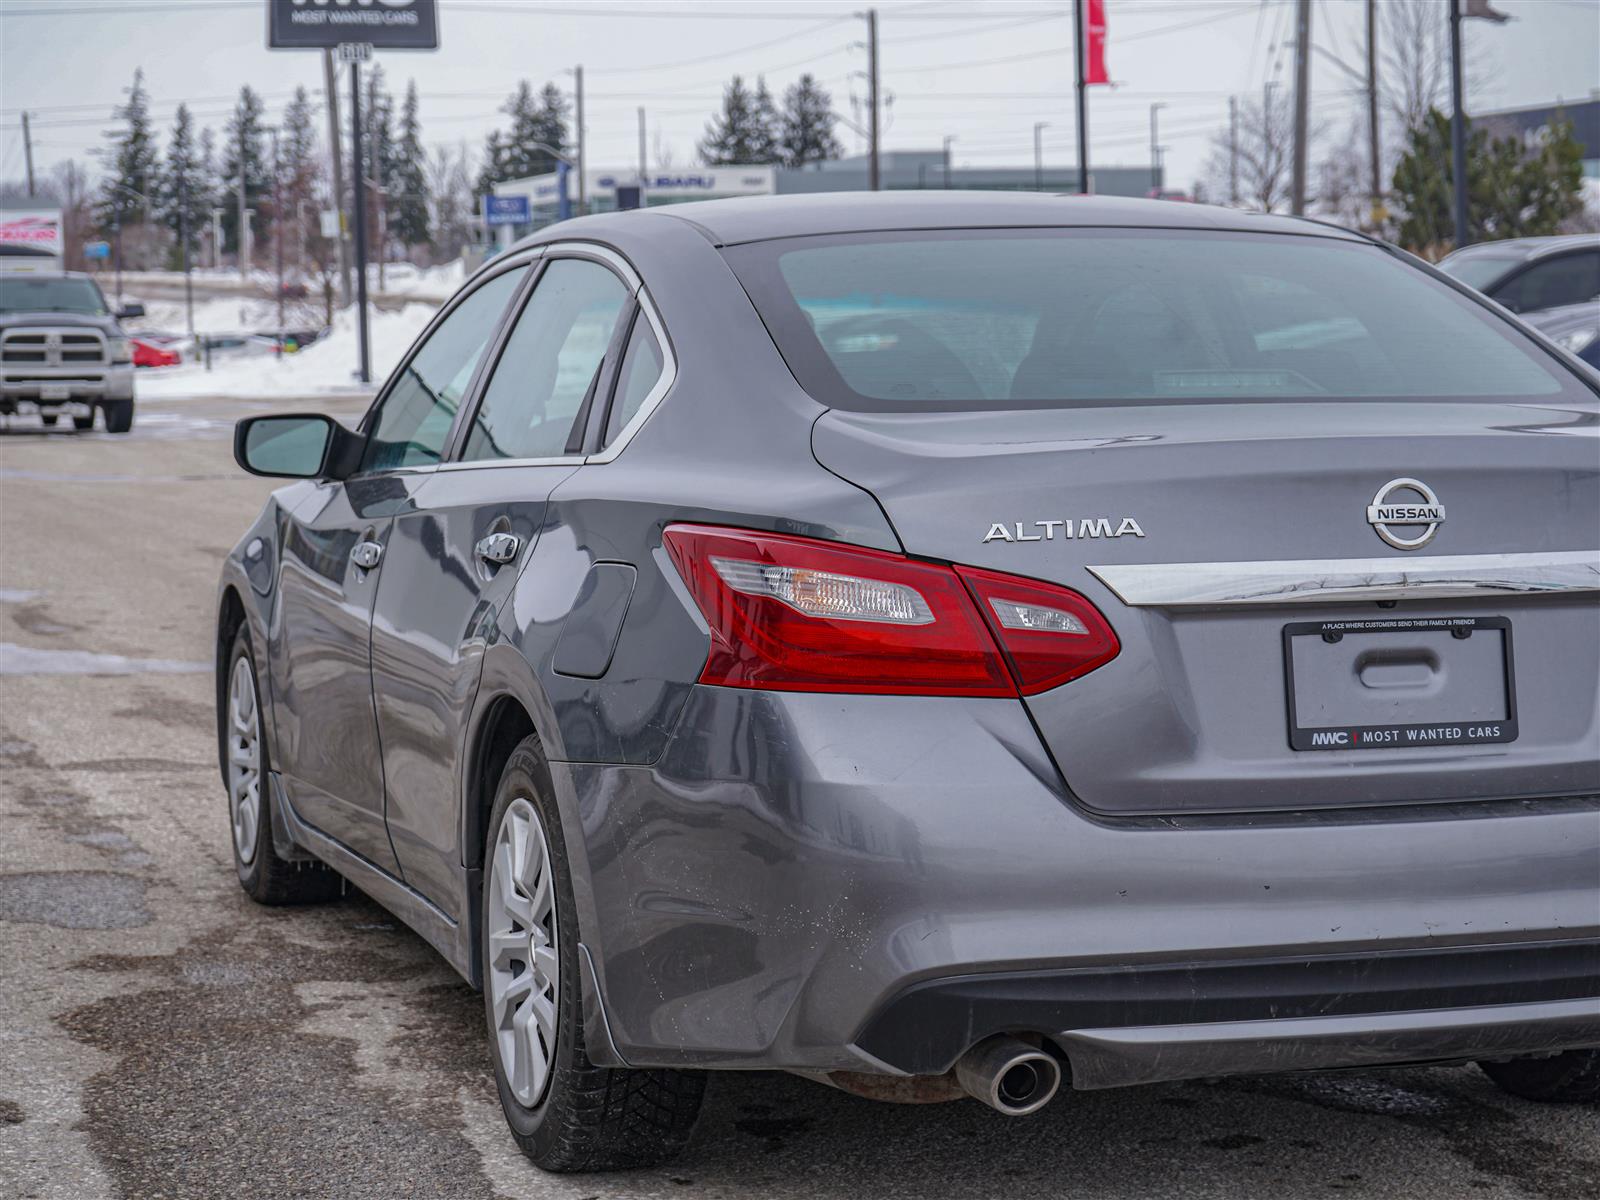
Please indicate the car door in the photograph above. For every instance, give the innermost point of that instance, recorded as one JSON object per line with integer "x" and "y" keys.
{"x": 335, "y": 546}
{"x": 455, "y": 552}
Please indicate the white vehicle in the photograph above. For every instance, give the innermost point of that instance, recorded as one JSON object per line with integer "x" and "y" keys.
{"x": 62, "y": 350}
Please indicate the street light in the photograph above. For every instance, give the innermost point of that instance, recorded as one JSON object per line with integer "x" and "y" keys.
{"x": 116, "y": 226}
{"x": 947, "y": 142}
{"x": 1038, "y": 155}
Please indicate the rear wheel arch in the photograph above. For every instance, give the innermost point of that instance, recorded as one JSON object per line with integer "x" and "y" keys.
{"x": 230, "y": 616}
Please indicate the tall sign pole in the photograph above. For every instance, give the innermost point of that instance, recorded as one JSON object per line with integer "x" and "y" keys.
{"x": 1458, "y": 128}
{"x": 330, "y": 90}
{"x": 874, "y": 174}
{"x": 1079, "y": 50}
{"x": 358, "y": 171}
{"x": 1302, "y": 105}
{"x": 583, "y": 143}
{"x": 395, "y": 25}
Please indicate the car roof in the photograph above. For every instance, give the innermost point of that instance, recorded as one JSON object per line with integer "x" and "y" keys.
{"x": 1522, "y": 249}
{"x": 759, "y": 218}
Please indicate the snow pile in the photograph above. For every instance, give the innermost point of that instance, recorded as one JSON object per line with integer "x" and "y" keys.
{"x": 323, "y": 368}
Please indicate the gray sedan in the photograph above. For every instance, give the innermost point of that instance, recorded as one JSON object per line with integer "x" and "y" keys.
{"x": 944, "y": 646}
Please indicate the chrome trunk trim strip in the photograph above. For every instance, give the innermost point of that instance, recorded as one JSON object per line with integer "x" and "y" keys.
{"x": 1323, "y": 581}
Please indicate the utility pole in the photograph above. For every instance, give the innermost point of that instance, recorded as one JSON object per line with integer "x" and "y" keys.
{"x": 359, "y": 196}
{"x": 27, "y": 150}
{"x": 1080, "y": 54}
{"x": 873, "y": 133}
{"x": 277, "y": 231}
{"x": 1155, "y": 146}
{"x": 1458, "y": 128}
{"x": 583, "y": 148}
{"x": 950, "y": 138}
{"x": 1372, "y": 113}
{"x": 1038, "y": 155}
{"x": 1233, "y": 151}
{"x": 330, "y": 93}
{"x": 1302, "y": 99}
{"x": 644, "y": 166}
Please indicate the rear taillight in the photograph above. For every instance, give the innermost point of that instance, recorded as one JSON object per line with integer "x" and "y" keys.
{"x": 795, "y": 614}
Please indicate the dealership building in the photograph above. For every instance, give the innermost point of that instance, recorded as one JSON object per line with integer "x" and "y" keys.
{"x": 900, "y": 170}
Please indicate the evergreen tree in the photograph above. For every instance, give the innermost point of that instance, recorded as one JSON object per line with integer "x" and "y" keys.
{"x": 764, "y": 144}
{"x": 184, "y": 190}
{"x": 738, "y": 133}
{"x": 135, "y": 164}
{"x": 1515, "y": 188}
{"x": 299, "y": 166}
{"x": 806, "y": 132}
{"x": 492, "y": 170}
{"x": 409, "y": 204}
{"x": 549, "y": 127}
{"x": 243, "y": 156}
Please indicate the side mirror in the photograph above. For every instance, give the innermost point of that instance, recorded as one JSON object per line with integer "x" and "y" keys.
{"x": 303, "y": 446}
{"x": 128, "y": 311}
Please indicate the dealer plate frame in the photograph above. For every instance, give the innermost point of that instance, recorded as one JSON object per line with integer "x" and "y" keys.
{"x": 1412, "y": 736}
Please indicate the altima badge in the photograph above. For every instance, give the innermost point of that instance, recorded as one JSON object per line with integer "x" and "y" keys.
{"x": 1386, "y": 510}
{"x": 1048, "y": 531}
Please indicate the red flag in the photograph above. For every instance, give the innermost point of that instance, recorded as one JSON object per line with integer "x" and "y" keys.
{"x": 1095, "y": 19}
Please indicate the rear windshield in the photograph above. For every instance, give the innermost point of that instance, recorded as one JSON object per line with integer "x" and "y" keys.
{"x": 1013, "y": 319}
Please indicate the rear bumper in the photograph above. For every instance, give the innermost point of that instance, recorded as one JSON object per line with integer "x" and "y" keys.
{"x": 874, "y": 883}
{"x": 1179, "y": 1021}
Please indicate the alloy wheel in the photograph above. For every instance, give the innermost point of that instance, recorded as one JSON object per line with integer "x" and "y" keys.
{"x": 244, "y": 759}
{"x": 524, "y": 966}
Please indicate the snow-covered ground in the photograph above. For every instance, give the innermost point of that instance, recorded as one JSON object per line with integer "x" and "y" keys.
{"x": 325, "y": 367}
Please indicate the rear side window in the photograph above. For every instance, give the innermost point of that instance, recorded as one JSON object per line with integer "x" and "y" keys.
{"x": 1554, "y": 283}
{"x": 641, "y": 368}
{"x": 997, "y": 319}
{"x": 550, "y": 361}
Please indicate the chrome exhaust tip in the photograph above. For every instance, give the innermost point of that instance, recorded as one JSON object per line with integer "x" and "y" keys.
{"x": 1009, "y": 1075}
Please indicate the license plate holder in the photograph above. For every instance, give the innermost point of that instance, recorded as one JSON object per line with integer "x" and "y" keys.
{"x": 55, "y": 391}
{"x": 1442, "y": 688}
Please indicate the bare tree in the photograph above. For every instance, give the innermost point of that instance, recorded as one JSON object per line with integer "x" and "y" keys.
{"x": 1414, "y": 73}
{"x": 1265, "y": 153}
{"x": 1343, "y": 180}
{"x": 449, "y": 184}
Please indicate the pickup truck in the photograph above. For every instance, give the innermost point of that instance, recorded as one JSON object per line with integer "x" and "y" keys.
{"x": 63, "y": 351}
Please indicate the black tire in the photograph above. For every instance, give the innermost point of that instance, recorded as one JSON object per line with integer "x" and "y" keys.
{"x": 267, "y": 878}
{"x": 590, "y": 1118}
{"x": 1566, "y": 1078}
{"x": 119, "y": 415}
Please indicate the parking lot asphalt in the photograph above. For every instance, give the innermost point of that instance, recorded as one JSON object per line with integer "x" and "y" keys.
{"x": 162, "y": 1036}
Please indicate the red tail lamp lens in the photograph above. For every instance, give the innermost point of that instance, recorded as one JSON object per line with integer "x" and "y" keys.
{"x": 1051, "y": 634}
{"x": 796, "y": 614}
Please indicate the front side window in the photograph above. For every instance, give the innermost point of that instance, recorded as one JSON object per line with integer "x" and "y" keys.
{"x": 1014, "y": 319}
{"x": 414, "y": 421}
{"x": 550, "y": 362}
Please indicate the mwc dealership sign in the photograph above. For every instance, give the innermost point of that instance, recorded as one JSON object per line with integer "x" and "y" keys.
{"x": 384, "y": 24}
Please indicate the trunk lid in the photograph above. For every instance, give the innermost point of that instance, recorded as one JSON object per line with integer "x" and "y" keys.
{"x": 1203, "y": 531}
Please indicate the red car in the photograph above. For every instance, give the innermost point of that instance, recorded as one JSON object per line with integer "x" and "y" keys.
{"x": 149, "y": 354}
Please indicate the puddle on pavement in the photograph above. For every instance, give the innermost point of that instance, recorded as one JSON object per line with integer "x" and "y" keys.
{"x": 74, "y": 899}
{"x": 30, "y": 660}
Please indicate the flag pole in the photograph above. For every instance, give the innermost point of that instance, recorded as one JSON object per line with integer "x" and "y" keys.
{"x": 1078, "y": 51}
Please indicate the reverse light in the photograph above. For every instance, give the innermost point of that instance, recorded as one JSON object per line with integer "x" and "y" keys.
{"x": 798, "y": 614}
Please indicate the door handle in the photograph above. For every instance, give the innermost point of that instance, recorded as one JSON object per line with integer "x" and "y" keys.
{"x": 366, "y": 555}
{"x": 498, "y": 548}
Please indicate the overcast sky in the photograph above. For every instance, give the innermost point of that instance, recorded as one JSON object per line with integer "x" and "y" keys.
{"x": 981, "y": 72}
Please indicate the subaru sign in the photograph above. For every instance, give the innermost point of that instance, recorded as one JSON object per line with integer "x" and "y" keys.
{"x": 383, "y": 24}
{"x": 92, "y": 250}
{"x": 506, "y": 210}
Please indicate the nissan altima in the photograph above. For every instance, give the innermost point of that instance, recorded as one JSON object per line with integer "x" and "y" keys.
{"x": 946, "y": 646}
